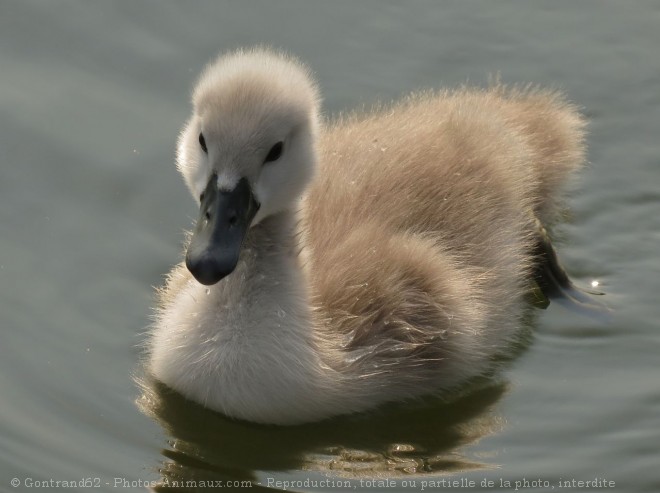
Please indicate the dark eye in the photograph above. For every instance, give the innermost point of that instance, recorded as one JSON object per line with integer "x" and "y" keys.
{"x": 274, "y": 153}
{"x": 202, "y": 143}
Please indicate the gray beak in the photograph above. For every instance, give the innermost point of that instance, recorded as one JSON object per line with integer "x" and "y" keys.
{"x": 223, "y": 223}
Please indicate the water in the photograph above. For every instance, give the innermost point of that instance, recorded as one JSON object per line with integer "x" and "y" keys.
{"x": 92, "y": 211}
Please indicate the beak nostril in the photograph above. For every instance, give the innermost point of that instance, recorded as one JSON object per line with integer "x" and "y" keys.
{"x": 233, "y": 218}
{"x": 207, "y": 215}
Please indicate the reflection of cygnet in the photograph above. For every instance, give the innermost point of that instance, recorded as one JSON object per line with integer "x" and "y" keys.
{"x": 424, "y": 436}
{"x": 400, "y": 272}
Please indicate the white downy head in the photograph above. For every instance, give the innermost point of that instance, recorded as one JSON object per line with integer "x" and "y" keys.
{"x": 255, "y": 116}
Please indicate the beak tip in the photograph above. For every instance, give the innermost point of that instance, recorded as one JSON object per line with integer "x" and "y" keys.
{"x": 206, "y": 270}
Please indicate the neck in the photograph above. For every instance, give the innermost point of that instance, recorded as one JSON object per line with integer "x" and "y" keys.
{"x": 272, "y": 236}
{"x": 268, "y": 278}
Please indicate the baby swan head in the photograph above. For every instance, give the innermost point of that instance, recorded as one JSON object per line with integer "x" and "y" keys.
{"x": 247, "y": 152}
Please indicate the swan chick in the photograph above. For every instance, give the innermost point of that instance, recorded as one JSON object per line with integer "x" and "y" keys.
{"x": 336, "y": 267}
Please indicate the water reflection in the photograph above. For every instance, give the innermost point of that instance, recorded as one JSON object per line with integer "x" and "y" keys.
{"x": 394, "y": 441}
